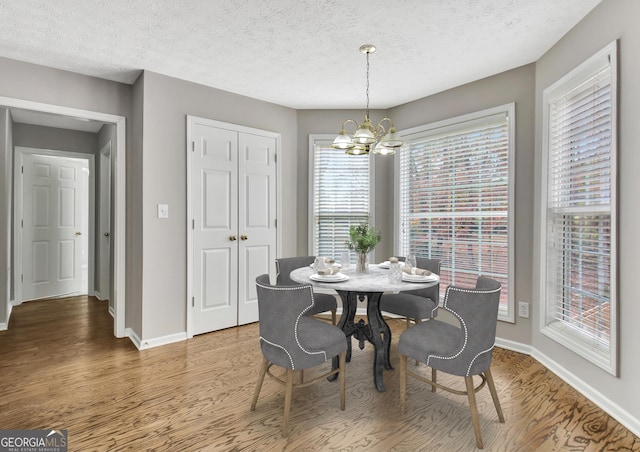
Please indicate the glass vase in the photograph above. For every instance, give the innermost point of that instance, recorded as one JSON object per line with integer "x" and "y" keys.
{"x": 362, "y": 262}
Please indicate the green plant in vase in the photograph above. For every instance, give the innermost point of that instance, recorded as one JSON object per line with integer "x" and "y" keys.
{"x": 363, "y": 239}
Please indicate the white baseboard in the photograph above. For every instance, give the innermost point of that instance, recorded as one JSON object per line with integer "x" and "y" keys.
{"x": 5, "y": 325}
{"x": 156, "y": 341}
{"x": 591, "y": 393}
{"x": 613, "y": 409}
{"x": 513, "y": 346}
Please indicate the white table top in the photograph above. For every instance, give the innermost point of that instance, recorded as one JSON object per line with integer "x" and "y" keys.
{"x": 377, "y": 280}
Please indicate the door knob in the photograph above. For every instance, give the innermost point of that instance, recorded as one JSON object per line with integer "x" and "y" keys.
{"x": 233, "y": 238}
{"x": 106, "y": 234}
{"x": 78, "y": 233}
{"x": 243, "y": 237}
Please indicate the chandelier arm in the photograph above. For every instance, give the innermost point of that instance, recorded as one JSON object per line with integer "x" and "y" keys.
{"x": 347, "y": 121}
{"x": 388, "y": 120}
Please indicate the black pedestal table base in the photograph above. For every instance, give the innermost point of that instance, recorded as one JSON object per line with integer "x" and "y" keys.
{"x": 377, "y": 332}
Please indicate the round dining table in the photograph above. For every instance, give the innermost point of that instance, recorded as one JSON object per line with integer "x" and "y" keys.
{"x": 371, "y": 285}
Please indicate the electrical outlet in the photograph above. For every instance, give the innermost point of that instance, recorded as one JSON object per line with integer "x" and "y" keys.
{"x": 523, "y": 309}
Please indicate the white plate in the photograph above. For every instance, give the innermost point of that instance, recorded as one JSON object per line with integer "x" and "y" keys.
{"x": 387, "y": 264}
{"x": 312, "y": 265}
{"x": 336, "y": 277}
{"x": 419, "y": 278}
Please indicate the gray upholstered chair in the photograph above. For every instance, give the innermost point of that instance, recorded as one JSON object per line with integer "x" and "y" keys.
{"x": 415, "y": 304}
{"x": 294, "y": 341}
{"x": 323, "y": 302}
{"x": 464, "y": 350}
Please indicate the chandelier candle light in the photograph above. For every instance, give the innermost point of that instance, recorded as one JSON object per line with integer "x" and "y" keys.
{"x": 366, "y": 135}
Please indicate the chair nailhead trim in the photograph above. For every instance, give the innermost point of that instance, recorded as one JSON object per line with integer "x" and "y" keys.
{"x": 295, "y": 328}
{"x": 464, "y": 325}
{"x": 475, "y": 357}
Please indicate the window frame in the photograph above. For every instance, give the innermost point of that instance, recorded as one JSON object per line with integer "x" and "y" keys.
{"x": 580, "y": 343}
{"x": 504, "y": 314}
{"x": 327, "y": 140}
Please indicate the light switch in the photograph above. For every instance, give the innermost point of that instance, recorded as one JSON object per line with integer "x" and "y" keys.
{"x": 163, "y": 210}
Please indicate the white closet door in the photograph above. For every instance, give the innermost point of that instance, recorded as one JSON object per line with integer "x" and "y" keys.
{"x": 53, "y": 233}
{"x": 214, "y": 191}
{"x": 256, "y": 218}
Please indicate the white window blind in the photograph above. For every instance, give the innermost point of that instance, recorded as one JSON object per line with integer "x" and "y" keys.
{"x": 340, "y": 185}
{"x": 454, "y": 199}
{"x": 580, "y": 229}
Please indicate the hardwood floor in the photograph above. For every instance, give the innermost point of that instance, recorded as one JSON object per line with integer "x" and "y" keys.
{"x": 61, "y": 367}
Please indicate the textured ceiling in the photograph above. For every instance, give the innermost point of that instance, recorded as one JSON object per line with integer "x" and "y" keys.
{"x": 297, "y": 53}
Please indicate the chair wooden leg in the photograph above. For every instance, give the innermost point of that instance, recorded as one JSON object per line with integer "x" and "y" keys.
{"x": 417, "y": 321}
{"x": 333, "y": 316}
{"x": 263, "y": 371}
{"x": 408, "y": 322}
{"x": 494, "y": 394}
{"x": 343, "y": 379}
{"x": 288, "y": 391}
{"x": 302, "y": 376}
{"x": 471, "y": 394}
{"x": 403, "y": 381}
{"x": 434, "y": 376}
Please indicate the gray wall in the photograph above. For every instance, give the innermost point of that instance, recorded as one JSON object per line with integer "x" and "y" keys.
{"x": 611, "y": 20}
{"x": 166, "y": 103}
{"x": 41, "y": 137}
{"x": 134, "y": 209}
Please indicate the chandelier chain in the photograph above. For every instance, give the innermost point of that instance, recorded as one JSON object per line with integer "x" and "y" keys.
{"x": 367, "y": 109}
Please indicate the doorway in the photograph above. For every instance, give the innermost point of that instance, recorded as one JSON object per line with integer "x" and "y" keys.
{"x": 118, "y": 210}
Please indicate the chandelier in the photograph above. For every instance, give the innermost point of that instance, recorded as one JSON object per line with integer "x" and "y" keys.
{"x": 367, "y": 137}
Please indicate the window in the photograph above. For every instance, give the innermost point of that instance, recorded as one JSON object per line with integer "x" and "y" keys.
{"x": 339, "y": 195}
{"x": 455, "y": 198}
{"x": 578, "y": 265}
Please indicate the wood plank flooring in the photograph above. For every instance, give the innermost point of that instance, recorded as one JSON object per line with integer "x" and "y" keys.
{"x": 61, "y": 367}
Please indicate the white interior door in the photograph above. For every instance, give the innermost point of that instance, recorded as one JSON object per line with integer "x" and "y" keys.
{"x": 54, "y": 233}
{"x": 257, "y": 218}
{"x": 104, "y": 218}
{"x": 214, "y": 189}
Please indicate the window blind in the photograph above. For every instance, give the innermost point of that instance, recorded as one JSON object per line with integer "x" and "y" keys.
{"x": 341, "y": 189}
{"x": 579, "y": 229}
{"x": 454, "y": 200}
